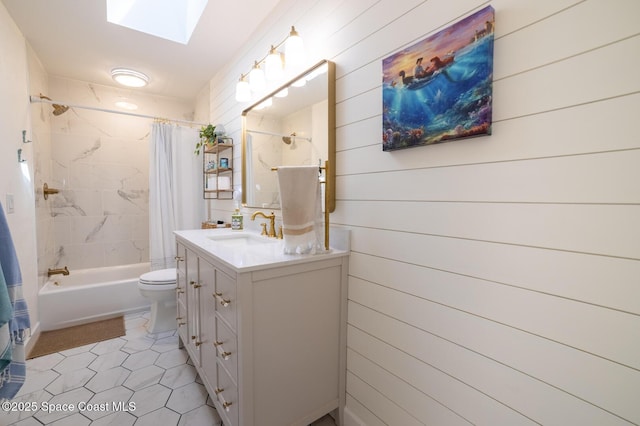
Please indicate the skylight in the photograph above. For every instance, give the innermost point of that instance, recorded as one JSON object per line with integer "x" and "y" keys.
{"x": 173, "y": 20}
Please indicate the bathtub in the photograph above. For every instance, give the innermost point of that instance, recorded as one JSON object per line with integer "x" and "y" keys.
{"x": 87, "y": 295}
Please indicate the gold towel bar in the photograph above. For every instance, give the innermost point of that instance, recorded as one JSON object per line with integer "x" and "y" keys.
{"x": 275, "y": 169}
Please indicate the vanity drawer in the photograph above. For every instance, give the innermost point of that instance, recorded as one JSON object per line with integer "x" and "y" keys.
{"x": 225, "y": 295}
{"x": 226, "y": 345}
{"x": 226, "y": 395}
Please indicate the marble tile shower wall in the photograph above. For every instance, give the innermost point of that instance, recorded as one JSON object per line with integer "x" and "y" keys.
{"x": 100, "y": 163}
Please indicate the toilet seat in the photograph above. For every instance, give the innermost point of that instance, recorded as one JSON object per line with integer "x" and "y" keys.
{"x": 159, "y": 277}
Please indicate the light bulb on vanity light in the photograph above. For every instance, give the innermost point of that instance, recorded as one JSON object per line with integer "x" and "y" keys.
{"x": 273, "y": 68}
{"x": 243, "y": 91}
{"x": 294, "y": 53}
{"x": 257, "y": 81}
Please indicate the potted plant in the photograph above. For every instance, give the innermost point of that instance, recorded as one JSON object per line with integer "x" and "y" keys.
{"x": 208, "y": 137}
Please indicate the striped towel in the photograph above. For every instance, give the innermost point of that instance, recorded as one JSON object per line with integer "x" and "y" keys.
{"x": 12, "y": 358}
{"x": 301, "y": 209}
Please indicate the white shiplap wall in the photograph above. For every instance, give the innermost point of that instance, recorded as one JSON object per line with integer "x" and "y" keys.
{"x": 495, "y": 280}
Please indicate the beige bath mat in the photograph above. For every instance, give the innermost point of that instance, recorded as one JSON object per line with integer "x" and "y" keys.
{"x": 79, "y": 335}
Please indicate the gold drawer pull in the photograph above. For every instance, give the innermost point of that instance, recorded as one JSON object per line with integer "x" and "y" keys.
{"x": 223, "y": 354}
{"x": 180, "y": 324}
{"x": 197, "y": 343}
{"x": 224, "y": 403}
{"x": 224, "y": 302}
{"x": 179, "y": 259}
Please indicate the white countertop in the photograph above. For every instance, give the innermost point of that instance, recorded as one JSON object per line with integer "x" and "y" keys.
{"x": 244, "y": 258}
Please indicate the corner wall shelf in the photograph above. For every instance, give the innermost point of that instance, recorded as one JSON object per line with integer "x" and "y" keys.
{"x": 217, "y": 170}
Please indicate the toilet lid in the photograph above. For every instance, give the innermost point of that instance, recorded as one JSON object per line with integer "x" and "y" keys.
{"x": 161, "y": 276}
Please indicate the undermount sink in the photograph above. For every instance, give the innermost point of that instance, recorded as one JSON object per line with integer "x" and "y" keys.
{"x": 242, "y": 239}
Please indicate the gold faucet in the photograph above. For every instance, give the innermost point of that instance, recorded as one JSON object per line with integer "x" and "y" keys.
{"x": 63, "y": 271}
{"x": 272, "y": 222}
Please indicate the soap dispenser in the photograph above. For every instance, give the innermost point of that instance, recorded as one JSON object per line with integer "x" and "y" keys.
{"x": 236, "y": 221}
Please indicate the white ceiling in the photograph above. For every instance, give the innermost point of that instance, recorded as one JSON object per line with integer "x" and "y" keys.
{"x": 73, "y": 39}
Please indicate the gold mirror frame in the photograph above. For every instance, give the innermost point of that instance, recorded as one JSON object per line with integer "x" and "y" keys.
{"x": 330, "y": 164}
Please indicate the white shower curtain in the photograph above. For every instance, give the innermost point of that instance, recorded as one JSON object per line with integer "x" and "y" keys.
{"x": 175, "y": 189}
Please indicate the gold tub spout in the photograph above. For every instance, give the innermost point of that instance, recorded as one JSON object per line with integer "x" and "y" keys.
{"x": 63, "y": 271}
{"x": 48, "y": 191}
{"x": 272, "y": 221}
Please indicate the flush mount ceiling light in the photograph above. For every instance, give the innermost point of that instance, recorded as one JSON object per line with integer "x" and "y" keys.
{"x": 172, "y": 20}
{"x": 129, "y": 78}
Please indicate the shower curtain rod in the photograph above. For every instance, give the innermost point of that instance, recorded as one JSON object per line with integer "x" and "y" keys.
{"x": 113, "y": 111}
{"x": 277, "y": 134}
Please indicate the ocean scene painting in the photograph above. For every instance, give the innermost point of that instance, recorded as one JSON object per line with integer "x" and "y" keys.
{"x": 440, "y": 88}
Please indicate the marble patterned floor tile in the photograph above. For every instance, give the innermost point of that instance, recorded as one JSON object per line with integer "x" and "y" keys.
{"x": 118, "y": 395}
{"x": 134, "y": 322}
{"x": 70, "y": 380}
{"x": 139, "y": 360}
{"x": 37, "y": 380}
{"x": 75, "y": 362}
{"x": 162, "y": 416}
{"x": 179, "y": 376}
{"x": 136, "y": 333}
{"x": 137, "y": 344}
{"x": 108, "y": 360}
{"x": 203, "y": 415}
{"x": 72, "y": 420}
{"x": 28, "y": 422}
{"x": 121, "y": 418}
{"x": 187, "y": 398}
{"x": 150, "y": 399}
{"x": 163, "y": 334}
{"x": 16, "y": 416}
{"x": 144, "y": 377}
{"x": 78, "y": 350}
{"x": 72, "y": 397}
{"x": 165, "y": 344}
{"x": 107, "y": 379}
{"x": 43, "y": 363}
{"x": 145, "y": 369}
{"x": 172, "y": 358}
{"x": 107, "y": 346}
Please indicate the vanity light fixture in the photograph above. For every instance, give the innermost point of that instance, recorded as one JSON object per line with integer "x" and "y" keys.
{"x": 129, "y": 78}
{"x": 276, "y": 65}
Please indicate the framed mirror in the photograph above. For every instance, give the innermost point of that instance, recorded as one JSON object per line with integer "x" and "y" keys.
{"x": 292, "y": 126}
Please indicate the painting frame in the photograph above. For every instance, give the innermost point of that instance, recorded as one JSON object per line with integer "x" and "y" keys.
{"x": 440, "y": 88}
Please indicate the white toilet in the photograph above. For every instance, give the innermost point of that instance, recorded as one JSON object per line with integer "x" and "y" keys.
{"x": 160, "y": 287}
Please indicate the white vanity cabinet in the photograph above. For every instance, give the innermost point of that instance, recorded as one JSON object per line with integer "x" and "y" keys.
{"x": 270, "y": 338}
